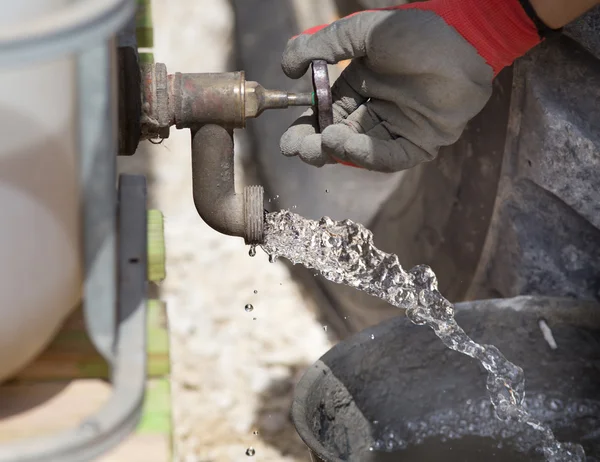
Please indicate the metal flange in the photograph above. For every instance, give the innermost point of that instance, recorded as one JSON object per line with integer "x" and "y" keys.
{"x": 324, "y": 100}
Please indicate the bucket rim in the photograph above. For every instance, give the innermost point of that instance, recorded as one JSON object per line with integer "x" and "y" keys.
{"x": 316, "y": 370}
{"x": 299, "y": 411}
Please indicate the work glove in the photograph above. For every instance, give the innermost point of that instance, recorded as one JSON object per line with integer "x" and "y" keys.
{"x": 419, "y": 73}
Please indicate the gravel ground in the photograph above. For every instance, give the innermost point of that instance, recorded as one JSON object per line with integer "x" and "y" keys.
{"x": 233, "y": 370}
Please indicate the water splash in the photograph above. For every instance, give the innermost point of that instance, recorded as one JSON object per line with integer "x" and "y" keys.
{"x": 343, "y": 252}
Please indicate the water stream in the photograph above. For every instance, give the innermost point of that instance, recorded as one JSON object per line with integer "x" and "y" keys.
{"x": 343, "y": 252}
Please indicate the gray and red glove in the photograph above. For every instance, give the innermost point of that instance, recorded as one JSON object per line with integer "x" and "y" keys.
{"x": 419, "y": 73}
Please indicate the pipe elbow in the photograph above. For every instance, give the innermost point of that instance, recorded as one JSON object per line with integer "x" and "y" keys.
{"x": 213, "y": 184}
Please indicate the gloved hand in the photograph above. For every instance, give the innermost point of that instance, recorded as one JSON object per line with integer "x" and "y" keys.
{"x": 419, "y": 73}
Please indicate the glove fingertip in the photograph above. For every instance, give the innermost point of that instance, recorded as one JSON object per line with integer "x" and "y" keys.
{"x": 287, "y": 144}
{"x": 335, "y": 137}
{"x": 311, "y": 152}
{"x": 346, "y": 146}
{"x": 317, "y": 160}
{"x": 358, "y": 148}
{"x": 294, "y": 138}
{"x": 296, "y": 59}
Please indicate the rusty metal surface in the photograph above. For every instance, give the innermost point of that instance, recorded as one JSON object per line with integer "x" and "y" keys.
{"x": 320, "y": 77}
{"x": 210, "y": 98}
{"x": 155, "y": 118}
{"x": 192, "y": 100}
{"x": 213, "y": 185}
{"x": 258, "y": 99}
{"x": 211, "y": 105}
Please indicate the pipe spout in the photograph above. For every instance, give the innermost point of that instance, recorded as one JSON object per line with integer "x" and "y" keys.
{"x": 213, "y": 186}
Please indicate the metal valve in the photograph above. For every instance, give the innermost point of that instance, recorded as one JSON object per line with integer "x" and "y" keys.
{"x": 211, "y": 105}
{"x": 226, "y": 99}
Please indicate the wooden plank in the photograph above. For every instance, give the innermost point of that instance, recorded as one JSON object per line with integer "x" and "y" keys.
{"x": 67, "y": 383}
{"x": 152, "y": 440}
{"x": 29, "y": 410}
{"x": 140, "y": 448}
{"x": 72, "y": 355}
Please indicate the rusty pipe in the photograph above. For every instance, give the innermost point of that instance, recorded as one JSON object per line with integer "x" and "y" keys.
{"x": 213, "y": 185}
{"x": 210, "y": 98}
{"x": 224, "y": 98}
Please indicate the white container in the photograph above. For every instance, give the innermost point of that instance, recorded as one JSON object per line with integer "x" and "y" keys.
{"x": 40, "y": 224}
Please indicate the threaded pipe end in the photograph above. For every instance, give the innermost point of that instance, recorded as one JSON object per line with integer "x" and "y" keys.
{"x": 254, "y": 215}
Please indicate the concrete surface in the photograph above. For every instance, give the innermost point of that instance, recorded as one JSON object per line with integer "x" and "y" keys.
{"x": 233, "y": 371}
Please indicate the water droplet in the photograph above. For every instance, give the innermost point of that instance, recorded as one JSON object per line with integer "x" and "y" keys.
{"x": 254, "y": 319}
{"x": 248, "y": 307}
{"x": 325, "y": 328}
{"x": 327, "y": 190}
{"x": 255, "y": 291}
{"x": 294, "y": 206}
{"x": 372, "y": 337}
{"x": 277, "y": 196}
{"x": 255, "y": 432}
{"x": 555, "y": 405}
{"x": 252, "y": 251}
{"x": 250, "y": 451}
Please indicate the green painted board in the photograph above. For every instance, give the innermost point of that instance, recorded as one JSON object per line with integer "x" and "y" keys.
{"x": 144, "y": 28}
{"x": 156, "y": 413}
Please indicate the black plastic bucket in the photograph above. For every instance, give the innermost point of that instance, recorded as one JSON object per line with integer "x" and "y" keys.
{"x": 394, "y": 392}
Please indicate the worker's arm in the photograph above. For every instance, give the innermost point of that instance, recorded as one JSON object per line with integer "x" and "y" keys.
{"x": 419, "y": 73}
{"x": 558, "y": 13}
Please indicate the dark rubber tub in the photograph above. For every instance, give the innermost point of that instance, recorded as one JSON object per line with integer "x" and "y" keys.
{"x": 393, "y": 392}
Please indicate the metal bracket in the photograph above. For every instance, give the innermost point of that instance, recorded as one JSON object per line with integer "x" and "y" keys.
{"x": 119, "y": 416}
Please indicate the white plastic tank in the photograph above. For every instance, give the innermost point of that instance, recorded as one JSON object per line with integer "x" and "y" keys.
{"x": 40, "y": 225}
